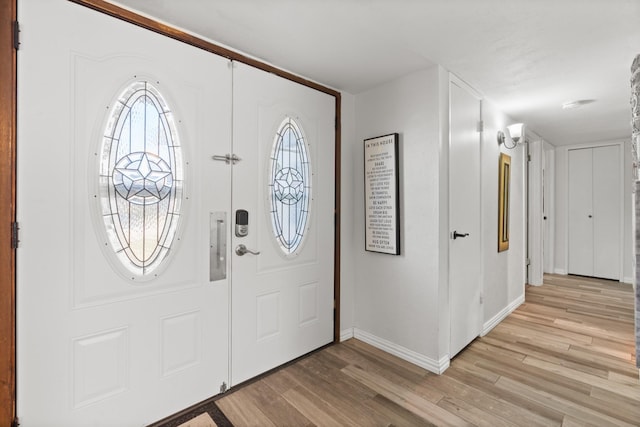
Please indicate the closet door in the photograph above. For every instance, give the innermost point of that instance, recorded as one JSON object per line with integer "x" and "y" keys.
{"x": 606, "y": 212}
{"x": 594, "y": 212}
{"x": 580, "y": 212}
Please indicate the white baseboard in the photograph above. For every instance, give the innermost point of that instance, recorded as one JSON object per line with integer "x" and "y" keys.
{"x": 435, "y": 366}
{"x": 560, "y": 271}
{"x": 493, "y": 322}
{"x": 628, "y": 280}
{"x": 346, "y": 334}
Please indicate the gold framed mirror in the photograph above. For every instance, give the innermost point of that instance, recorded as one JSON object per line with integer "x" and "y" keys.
{"x": 504, "y": 185}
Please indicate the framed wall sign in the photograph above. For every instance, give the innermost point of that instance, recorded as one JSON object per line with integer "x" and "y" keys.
{"x": 381, "y": 195}
{"x": 504, "y": 183}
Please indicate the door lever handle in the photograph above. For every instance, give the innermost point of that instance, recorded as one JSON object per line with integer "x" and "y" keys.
{"x": 227, "y": 158}
{"x": 242, "y": 249}
{"x": 455, "y": 235}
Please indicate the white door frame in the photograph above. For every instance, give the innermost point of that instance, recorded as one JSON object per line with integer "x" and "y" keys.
{"x": 535, "y": 224}
{"x": 549, "y": 182}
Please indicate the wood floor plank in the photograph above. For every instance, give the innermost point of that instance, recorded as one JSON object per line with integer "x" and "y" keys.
{"x": 534, "y": 377}
{"x": 588, "y": 380}
{"x": 399, "y": 416}
{"x": 516, "y": 399}
{"x": 617, "y": 402}
{"x": 389, "y": 367}
{"x": 473, "y": 414}
{"x": 241, "y": 411}
{"x": 316, "y": 410}
{"x": 347, "y": 397}
{"x": 410, "y": 401}
{"x": 572, "y": 422}
{"x": 561, "y": 404}
{"x": 489, "y": 403}
{"x": 565, "y": 357}
{"x": 281, "y": 381}
{"x": 275, "y": 407}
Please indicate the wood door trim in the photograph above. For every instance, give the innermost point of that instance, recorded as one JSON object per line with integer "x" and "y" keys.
{"x": 8, "y": 15}
{"x": 168, "y": 31}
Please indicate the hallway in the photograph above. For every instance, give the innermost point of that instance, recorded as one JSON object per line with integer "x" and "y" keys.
{"x": 564, "y": 357}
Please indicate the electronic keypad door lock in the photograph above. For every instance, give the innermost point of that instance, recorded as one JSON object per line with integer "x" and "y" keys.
{"x": 242, "y": 223}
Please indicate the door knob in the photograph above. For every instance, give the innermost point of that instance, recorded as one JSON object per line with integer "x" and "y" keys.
{"x": 242, "y": 249}
{"x": 455, "y": 235}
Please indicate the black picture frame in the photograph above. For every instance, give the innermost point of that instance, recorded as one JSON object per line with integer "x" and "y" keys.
{"x": 382, "y": 194}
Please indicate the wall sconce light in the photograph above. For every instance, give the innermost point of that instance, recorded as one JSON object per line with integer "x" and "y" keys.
{"x": 515, "y": 131}
{"x": 512, "y": 137}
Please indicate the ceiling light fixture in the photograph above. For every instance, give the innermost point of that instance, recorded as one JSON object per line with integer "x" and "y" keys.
{"x": 570, "y": 105}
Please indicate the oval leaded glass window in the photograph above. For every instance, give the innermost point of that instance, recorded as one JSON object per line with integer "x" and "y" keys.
{"x": 289, "y": 186}
{"x": 141, "y": 178}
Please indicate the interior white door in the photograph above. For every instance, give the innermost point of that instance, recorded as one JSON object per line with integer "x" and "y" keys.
{"x": 282, "y": 298}
{"x": 595, "y": 212}
{"x": 607, "y": 209}
{"x": 547, "y": 182}
{"x": 101, "y": 341}
{"x": 580, "y": 212}
{"x": 465, "y": 285}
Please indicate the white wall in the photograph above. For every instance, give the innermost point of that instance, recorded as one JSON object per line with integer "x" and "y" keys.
{"x": 401, "y": 303}
{"x": 396, "y": 297}
{"x": 561, "y": 206}
{"x": 628, "y": 252}
{"x": 504, "y": 272}
{"x": 348, "y": 246}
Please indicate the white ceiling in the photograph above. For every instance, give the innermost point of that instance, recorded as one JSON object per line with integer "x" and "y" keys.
{"x": 525, "y": 56}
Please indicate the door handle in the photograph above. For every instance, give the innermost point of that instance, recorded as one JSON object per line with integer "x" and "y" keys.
{"x": 242, "y": 249}
{"x": 217, "y": 246}
{"x": 227, "y": 158}
{"x": 455, "y": 235}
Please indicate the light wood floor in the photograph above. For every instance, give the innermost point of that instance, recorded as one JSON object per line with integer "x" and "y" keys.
{"x": 563, "y": 358}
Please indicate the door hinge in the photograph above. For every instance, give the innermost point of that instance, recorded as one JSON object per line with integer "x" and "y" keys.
{"x": 528, "y": 261}
{"x": 481, "y": 299}
{"x": 14, "y": 235}
{"x": 480, "y": 126}
{"x": 529, "y": 157}
{"x": 223, "y": 387}
{"x": 16, "y": 35}
{"x": 16, "y": 422}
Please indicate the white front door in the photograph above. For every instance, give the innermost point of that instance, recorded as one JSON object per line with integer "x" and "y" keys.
{"x": 282, "y": 297}
{"x": 120, "y": 319}
{"x": 465, "y": 284}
